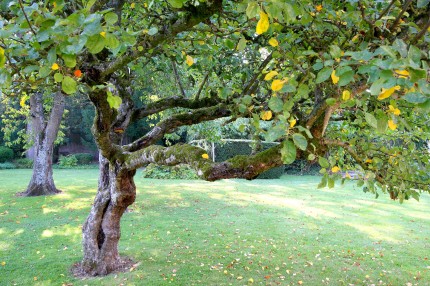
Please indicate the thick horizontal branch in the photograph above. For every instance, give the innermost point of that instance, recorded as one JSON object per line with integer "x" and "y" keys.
{"x": 172, "y": 102}
{"x": 247, "y": 167}
{"x": 170, "y": 124}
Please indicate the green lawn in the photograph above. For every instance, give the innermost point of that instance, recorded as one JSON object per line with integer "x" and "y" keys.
{"x": 232, "y": 232}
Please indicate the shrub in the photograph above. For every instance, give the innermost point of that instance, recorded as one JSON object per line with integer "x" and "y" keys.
{"x": 7, "y": 165}
{"x": 6, "y": 154}
{"x": 183, "y": 172}
{"x": 84, "y": 158}
{"x": 68, "y": 161}
{"x": 24, "y": 163}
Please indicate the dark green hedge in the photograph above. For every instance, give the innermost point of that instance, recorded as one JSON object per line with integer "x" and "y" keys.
{"x": 6, "y": 154}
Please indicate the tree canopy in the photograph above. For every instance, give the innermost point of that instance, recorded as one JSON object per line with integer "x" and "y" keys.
{"x": 342, "y": 83}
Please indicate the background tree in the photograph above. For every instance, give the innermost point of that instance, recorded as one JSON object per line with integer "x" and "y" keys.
{"x": 310, "y": 70}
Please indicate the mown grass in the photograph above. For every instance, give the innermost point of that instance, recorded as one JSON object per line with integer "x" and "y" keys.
{"x": 232, "y": 232}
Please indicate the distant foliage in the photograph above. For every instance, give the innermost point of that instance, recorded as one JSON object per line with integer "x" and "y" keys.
{"x": 24, "y": 163}
{"x": 183, "y": 172}
{"x": 7, "y": 165}
{"x": 6, "y": 154}
{"x": 84, "y": 158}
{"x": 68, "y": 161}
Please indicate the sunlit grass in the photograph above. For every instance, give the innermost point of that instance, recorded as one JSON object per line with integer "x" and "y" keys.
{"x": 231, "y": 232}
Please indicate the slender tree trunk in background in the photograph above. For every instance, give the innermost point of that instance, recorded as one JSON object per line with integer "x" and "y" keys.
{"x": 101, "y": 231}
{"x": 44, "y": 135}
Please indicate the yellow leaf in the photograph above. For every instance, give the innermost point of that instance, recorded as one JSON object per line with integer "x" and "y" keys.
{"x": 132, "y": 5}
{"x": 22, "y": 101}
{"x": 347, "y": 175}
{"x": 402, "y": 73}
{"x": 190, "y": 60}
{"x": 273, "y": 42}
{"x": 392, "y": 125}
{"x": 205, "y": 156}
{"x": 293, "y": 122}
{"x": 346, "y": 94}
{"x": 385, "y": 93}
{"x": 369, "y": 160}
{"x": 335, "y": 169}
{"x": 300, "y": 282}
{"x": 250, "y": 280}
{"x": 201, "y": 42}
{"x": 318, "y": 8}
{"x": 278, "y": 84}
{"x": 394, "y": 110}
{"x": 334, "y": 77}
{"x": 270, "y": 75}
{"x": 103, "y": 34}
{"x": 412, "y": 89}
{"x": 266, "y": 115}
{"x": 55, "y": 66}
{"x": 3, "y": 263}
{"x": 263, "y": 24}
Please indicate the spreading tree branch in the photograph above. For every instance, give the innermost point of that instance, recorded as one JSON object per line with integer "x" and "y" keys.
{"x": 247, "y": 167}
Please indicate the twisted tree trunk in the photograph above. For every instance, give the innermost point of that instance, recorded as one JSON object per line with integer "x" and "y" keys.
{"x": 101, "y": 231}
{"x": 44, "y": 134}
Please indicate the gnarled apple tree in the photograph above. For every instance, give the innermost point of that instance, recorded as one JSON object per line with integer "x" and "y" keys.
{"x": 344, "y": 83}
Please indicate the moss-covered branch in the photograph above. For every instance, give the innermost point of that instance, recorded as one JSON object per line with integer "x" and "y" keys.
{"x": 247, "y": 167}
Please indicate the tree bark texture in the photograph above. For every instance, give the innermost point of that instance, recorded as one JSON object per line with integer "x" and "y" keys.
{"x": 44, "y": 134}
{"x": 101, "y": 231}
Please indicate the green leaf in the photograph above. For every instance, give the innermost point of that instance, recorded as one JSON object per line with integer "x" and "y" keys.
{"x": 5, "y": 78}
{"x": 300, "y": 141}
{"x": 401, "y": 47}
{"x": 417, "y": 74}
{"x": 323, "y": 182}
{"x": 303, "y": 91}
{"x": 276, "y": 104}
{"x": 422, "y": 3}
{"x": 69, "y": 85}
{"x": 58, "y": 77}
{"x": 95, "y": 44}
{"x": 111, "y": 18}
{"x": 335, "y": 51}
{"x": 389, "y": 51}
{"x": 415, "y": 97}
{"x": 330, "y": 182}
{"x": 330, "y": 101}
{"x": 414, "y": 54}
{"x": 324, "y": 74}
{"x": 274, "y": 133}
{"x": 44, "y": 71}
{"x": 371, "y": 120}
{"x": 311, "y": 157}
{"x": 153, "y": 31}
{"x": 241, "y": 45}
{"x": 346, "y": 78}
{"x": 252, "y": 9}
{"x": 288, "y": 152}
{"x": 69, "y": 60}
{"x": 323, "y": 162}
{"x": 111, "y": 41}
{"x": 113, "y": 100}
{"x": 381, "y": 125}
{"x": 176, "y": 3}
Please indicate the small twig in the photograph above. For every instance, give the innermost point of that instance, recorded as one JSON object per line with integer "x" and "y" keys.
{"x": 26, "y": 18}
{"x": 255, "y": 77}
{"x": 399, "y": 17}
{"x": 422, "y": 32}
{"x": 202, "y": 85}
{"x": 178, "y": 80}
{"x": 363, "y": 15}
{"x": 386, "y": 10}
